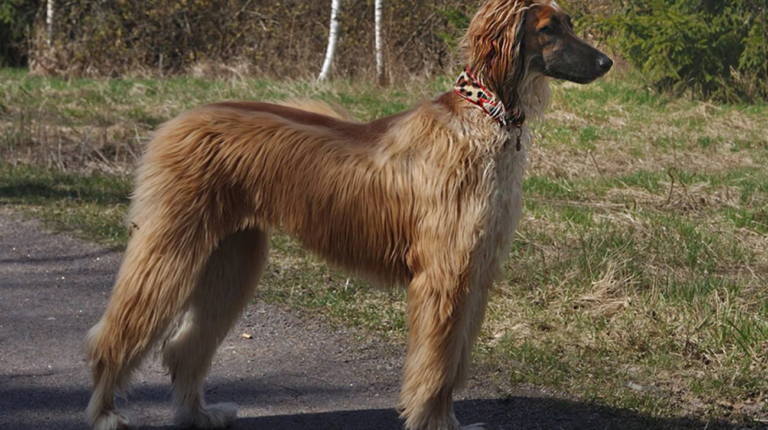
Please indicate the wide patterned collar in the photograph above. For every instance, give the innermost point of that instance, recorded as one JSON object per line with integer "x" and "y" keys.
{"x": 472, "y": 89}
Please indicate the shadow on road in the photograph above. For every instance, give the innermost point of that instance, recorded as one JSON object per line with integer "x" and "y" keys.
{"x": 514, "y": 413}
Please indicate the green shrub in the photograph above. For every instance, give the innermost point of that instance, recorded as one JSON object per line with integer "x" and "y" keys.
{"x": 713, "y": 48}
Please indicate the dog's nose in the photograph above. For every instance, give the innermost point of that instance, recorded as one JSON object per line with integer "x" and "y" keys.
{"x": 605, "y": 63}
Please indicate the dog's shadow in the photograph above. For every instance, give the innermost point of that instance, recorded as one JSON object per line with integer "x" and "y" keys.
{"x": 514, "y": 413}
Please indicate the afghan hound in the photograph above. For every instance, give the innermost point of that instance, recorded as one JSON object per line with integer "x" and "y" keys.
{"x": 428, "y": 198}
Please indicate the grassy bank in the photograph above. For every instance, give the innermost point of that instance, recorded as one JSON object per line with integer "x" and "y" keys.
{"x": 638, "y": 276}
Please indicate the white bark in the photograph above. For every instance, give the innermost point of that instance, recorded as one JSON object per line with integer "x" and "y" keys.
{"x": 379, "y": 44}
{"x": 49, "y": 16}
{"x": 333, "y": 38}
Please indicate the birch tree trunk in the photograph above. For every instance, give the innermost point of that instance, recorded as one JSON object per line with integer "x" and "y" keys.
{"x": 333, "y": 38}
{"x": 49, "y": 16}
{"x": 380, "y": 73}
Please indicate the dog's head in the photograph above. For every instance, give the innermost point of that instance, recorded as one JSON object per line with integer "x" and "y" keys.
{"x": 509, "y": 39}
{"x": 552, "y": 48}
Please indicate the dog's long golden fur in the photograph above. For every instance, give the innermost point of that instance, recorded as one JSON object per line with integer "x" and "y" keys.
{"x": 428, "y": 198}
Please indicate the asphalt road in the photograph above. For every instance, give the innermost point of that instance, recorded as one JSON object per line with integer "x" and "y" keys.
{"x": 295, "y": 373}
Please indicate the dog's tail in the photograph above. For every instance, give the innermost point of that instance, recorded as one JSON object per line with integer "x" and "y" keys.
{"x": 319, "y": 107}
{"x": 172, "y": 236}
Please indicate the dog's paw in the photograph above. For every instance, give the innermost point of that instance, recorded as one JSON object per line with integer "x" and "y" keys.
{"x": 216, "y": 416}
{"x": 114, "y": 420}
{"x": 478, "y": 426}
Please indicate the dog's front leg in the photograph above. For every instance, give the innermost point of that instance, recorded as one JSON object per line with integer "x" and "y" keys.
{"x": 444, "y": 315}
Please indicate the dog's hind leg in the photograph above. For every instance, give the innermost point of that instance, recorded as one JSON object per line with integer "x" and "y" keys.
{"x": 444, "y": 315}
{"x": 225, "y": 288}
{"x": 162, "y": 263}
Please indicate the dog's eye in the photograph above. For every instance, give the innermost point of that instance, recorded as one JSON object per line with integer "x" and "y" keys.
{"x": 548, "y": 29}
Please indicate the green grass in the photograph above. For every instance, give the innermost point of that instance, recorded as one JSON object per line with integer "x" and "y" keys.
{"x": 91, "y": 205}
{"x": 638, "y": 275}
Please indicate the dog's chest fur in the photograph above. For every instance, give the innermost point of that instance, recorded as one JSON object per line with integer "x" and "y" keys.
{"x": 505, "y": 200}
{"x": 502, "y": 168}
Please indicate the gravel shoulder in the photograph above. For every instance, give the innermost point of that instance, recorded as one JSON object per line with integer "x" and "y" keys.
{"x": 294, "y": 373}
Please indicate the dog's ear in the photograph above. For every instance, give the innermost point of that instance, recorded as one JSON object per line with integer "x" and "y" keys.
{"x": 493, "y": 45}
{"x": 521, "y": 31}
